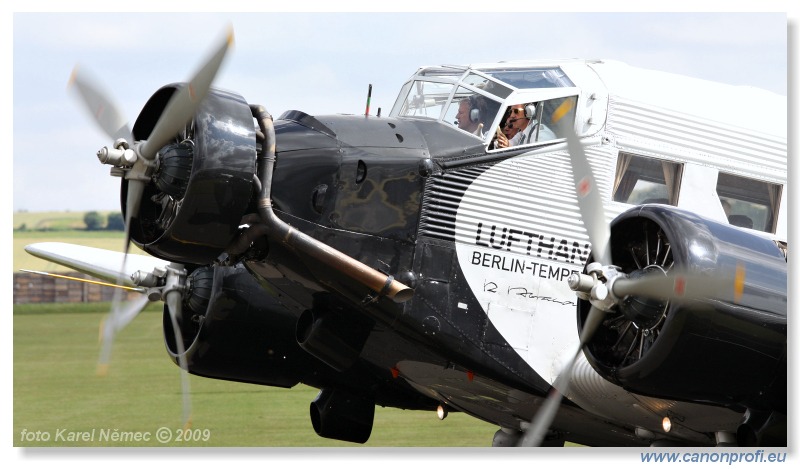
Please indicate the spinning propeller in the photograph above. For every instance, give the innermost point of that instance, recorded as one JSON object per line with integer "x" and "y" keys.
{"x": 168, "y": 284}
{"x": 136, "y": 162}
{"x": 604, "y": 285}
{"x": 154, "y": 278}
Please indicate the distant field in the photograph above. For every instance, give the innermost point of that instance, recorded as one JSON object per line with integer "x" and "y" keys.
{"x": 55, "y": 388}
{"x": 111, "y": 240}
{"x": 52, "y": 220}
{"x": 66, "y": 227}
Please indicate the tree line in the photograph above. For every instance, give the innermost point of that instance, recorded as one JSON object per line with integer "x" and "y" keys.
{"x": 94, "y": 221}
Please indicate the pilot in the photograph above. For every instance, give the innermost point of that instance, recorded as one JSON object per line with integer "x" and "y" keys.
{"x": 469, "y": 116}
{"x": 531, "y": 130}
{"x": 515, "y": 122}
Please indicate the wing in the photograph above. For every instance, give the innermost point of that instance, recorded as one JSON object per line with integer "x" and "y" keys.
{"x": 99, "y": 263}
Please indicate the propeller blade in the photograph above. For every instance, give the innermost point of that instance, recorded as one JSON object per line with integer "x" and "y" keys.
{"x": 184, "y": 102}
{"x": 174, "y": 305}
{"x": 547, "y": 413}
{"x": 590, "y": 201}
{"x": 134, "y": 197}
{"x": 593, "y": 321}
{"x": 678, "y": 286}
{"x": 132, "y": 203}
{"x": 100, "y": 106}
{"x": 114, "y": 322}
{"x": 124, "y": 317}
{"x": 535, "y": 433}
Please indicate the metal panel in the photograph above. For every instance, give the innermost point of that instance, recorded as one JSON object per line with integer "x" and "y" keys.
{"x": 654, "y": 131}
{"x": 517, "y": 200}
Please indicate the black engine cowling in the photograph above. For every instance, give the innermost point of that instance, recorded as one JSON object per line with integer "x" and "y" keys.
{"x": 730, "y": 349}
{"x": 233, "y": 330}
{"x": 202, "y": 183}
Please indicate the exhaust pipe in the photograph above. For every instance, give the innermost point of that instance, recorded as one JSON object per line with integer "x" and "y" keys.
{"x": 280, "y": 231}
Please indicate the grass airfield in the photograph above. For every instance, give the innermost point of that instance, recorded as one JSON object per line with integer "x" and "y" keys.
{"x": 56, "y": 390}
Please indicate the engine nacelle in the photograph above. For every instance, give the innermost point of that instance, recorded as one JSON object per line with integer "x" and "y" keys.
{"x": 729, "y": 349}
{"x": 202, "y": 183}
{"x": 234, "y": 330}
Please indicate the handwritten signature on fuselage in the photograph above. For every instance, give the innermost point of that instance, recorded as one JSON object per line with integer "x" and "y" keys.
{"x": 491, "y": 287}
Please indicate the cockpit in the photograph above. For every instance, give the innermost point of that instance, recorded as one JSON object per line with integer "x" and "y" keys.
{"x": 502, "y": 105}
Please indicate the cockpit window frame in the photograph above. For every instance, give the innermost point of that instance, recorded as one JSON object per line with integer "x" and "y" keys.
{"x": 522, "y": 97}
{"x": 459, "y": 79}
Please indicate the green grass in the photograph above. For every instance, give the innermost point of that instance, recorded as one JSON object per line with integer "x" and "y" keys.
{"x": 55, "y": 387}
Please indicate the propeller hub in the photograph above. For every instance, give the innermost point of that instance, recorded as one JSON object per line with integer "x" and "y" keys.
{"x": 121, "y": 157}
{"x": 175, "y": 280}
{"x": 154, "y": 294}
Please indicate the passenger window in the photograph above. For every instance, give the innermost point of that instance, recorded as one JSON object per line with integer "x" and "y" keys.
{"x": 749, "y": 203}
{"x": 642, "y": 180}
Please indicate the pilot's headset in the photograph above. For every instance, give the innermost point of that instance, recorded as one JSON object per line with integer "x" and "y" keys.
{"x": 474, "y": 111}
{"x": 530, "y": 111}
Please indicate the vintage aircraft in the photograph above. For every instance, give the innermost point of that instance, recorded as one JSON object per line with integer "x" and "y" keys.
{"x": 625, "y": 249}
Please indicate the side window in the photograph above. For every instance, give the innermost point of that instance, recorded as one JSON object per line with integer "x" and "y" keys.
{"x": 533, "y": 122}
{"x": 471, "y": 112}
{"x": 553, "y": 112}
{"x": 425, "y": 99}
{"x": 642, "y": 180}
{"x": 749, "y": 203}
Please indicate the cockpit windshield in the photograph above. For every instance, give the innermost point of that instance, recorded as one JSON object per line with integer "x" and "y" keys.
{"x": 474, "y": 100}
{"x": 530, "y": 78}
